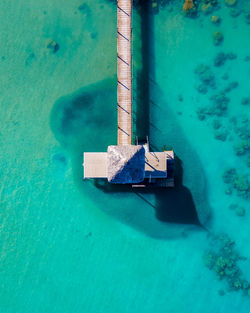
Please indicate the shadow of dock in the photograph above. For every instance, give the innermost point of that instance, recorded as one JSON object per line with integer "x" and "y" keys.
{"x": 171, "y": 205}
{"x": 84, "y": 122}
{"x": 141, "y": 100}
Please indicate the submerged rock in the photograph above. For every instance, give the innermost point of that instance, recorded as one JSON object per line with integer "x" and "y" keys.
{"x": 188, "y": 5}
{"x": 206, "y": 8}
{"x": 220, "y": 59}
{"x": 231, "y": 56}
{"x": 180, "y": 98}
{"x": 84, "y": 9}
{"x": 242, "y": 147}
{"x": 248, "y": 161}
{"x": 234, "y": 12}
{"x": 219, "y": 104}
{"x": 221, "y": 292}
{"x": 228, "y": 191}
{"x": 94, "y": 35}
{"x": 202, "y": 89}
{"x": 245, "y": 101}
{"x": 215, "y": 19}
{"x": 218, "y": 38}
{"x": 230, "y": 2}
{"x": 231, "y": 86}
{"x": 240, "y": 211}
{"x": 216, "y": 124}
{"x": 220, "y": 134}
{"x": 241, "y": 127}
{"x": 237, "y": 181}
{"x": 201, "y": 113}
{"x": 228, "y": 175}
{"x": 209, "y": 260}
{"x": 52, "y": 46}
{"x": 233, "y": 206}
{"x": 218, "y": 107}
{"x": 205, "y": 75}
{"x": 241, "y": 184}
{"x": 60, "y": 158}
{"x": 247, "y": 18}
{"x": 30, "y": 58}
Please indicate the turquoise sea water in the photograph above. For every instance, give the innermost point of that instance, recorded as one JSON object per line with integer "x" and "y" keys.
{"x": 73, "y": 246}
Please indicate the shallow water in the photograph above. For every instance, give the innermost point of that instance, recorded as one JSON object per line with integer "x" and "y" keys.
{"x": 74, "y": 246}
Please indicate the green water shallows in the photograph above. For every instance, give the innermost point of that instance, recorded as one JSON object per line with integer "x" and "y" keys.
{"x": 72, "y": 246}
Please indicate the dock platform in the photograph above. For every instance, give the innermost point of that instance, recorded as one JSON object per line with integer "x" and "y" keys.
{"x": 158, "y": 168}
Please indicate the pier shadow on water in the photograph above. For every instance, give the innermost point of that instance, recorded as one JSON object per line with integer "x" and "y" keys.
{"x": 172, "y": 205}
{"x": 84, "y": 122}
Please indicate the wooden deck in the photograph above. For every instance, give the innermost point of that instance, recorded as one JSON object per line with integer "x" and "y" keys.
{"x": 95, "y": 165}
{"x": 157, "y": 166}
{"x": 124, "y": 71}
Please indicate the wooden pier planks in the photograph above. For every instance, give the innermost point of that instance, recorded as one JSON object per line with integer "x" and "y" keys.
{"x": 124, "y": 72}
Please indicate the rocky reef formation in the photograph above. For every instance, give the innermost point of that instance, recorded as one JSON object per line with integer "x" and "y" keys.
{"x": 245, "y": 101}
{"x": 215, "y": 19}
{"x": 231, "y": 3}
{"x": 188, "y": 5}
{"x": 240, "y": 126}
{"x": 84, "y": 9}
{"x": 237, "y": 181}
{"x": 239, "y": 210}
{"x": 208, "y": 6}
{"x": 224, "y": 260}
{"x": 205, "y": 75}
{"x": 218, "y": 107}
{"x": 218, "y": 38}
{"x": 242, "y": 147}
{"x": 52, "y": 45}
{"x": 222, "y": 57}
{"x": 219, "y": 104}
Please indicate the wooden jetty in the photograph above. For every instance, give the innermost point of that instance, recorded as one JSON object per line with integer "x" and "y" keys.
{"x": 126, "y": 163}
{"x": 124, "y": 72}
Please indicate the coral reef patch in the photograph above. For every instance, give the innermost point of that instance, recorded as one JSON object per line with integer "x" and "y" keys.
{"x": 218, "y": 38}
{"x": 223, "y": 258}
{"x": 237, "y": 181}
{"x": 52, "y": 45}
